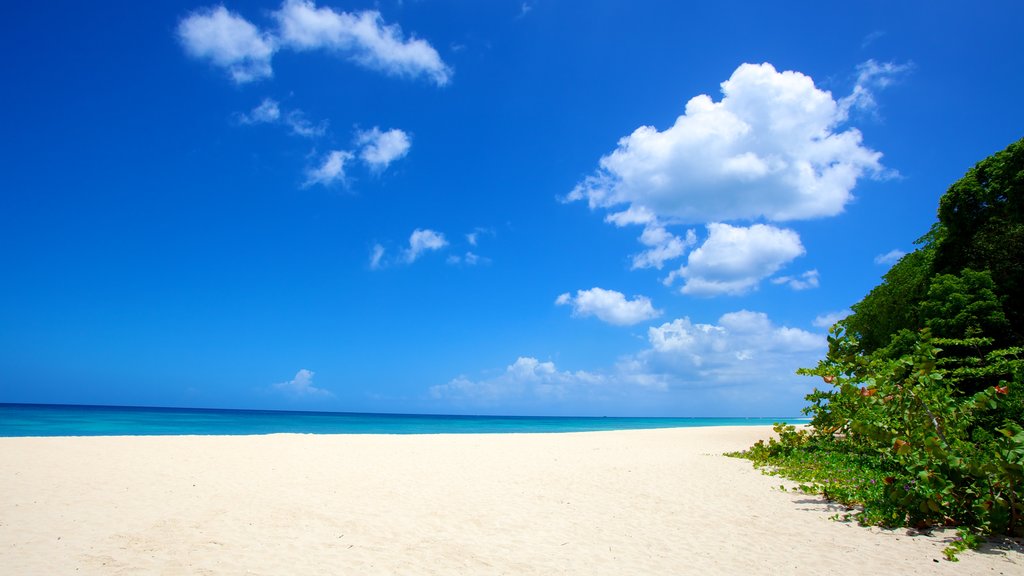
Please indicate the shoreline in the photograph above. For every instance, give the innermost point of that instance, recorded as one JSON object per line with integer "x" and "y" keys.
{"x": 33, "y": 420}
{"x": 654, "y": 501}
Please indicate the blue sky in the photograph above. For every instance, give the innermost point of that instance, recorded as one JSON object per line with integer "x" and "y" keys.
{"x": 600, "y": 208}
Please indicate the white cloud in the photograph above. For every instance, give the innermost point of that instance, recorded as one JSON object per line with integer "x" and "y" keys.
{"x": 380, "y": 149}
{"x": 827, "y": 320}
{"x": 267, "y": 112}
{"x": 363, "y": 37}
{"x": 609, "y": 306}
{"x": 423, "y": 240}
{"x": 229, "y": 41}
{"x": 527, "y": 376}
{"x": 804, "y": 281}
{"x": 770, "y": 148}
{"x": 744, "y": 363}
{"x": 890, "y": 257}
{"x": 734, "y": 259}
{"x": 663, "y": 246}
{"x": 331, "y": 170}
{"x": 302, "y": 386}
{"x": 742, "y": 345}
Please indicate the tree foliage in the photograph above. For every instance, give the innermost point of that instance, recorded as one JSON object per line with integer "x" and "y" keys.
{"x": 925, "y": 380}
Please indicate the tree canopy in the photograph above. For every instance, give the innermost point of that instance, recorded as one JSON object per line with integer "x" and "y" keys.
{"x": 967, "y": 277}
{"x": 925, "y": 379}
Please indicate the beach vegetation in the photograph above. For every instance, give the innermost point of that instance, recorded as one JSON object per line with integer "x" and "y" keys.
{"x": 919, "y": 423}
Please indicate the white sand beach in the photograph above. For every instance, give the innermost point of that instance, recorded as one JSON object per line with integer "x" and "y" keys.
{"x": 629, "y": 502}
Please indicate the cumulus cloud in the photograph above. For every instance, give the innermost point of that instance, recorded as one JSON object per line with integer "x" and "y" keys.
{"x": 804, "y": 281}
{"x": 331, "y": 170}
{"x": 770, "y": 148}
{"x": 775, "y": 147}
{"x": 362, "y": 37}
{"x": 827, "y": 320}
{"x": 734, "y": 259}
{"x": 229, "y": 41}
{"x": 742, "y": 345}
{"x": 890, "y": 257}
{"x": 301, "y": 386}
{"x": 424, "y": 240}
{"x": 743, "y": 359}
{"x": 527, "y": 376}
{"x": 609, "y": 306}
{"x": 380, "y": 149}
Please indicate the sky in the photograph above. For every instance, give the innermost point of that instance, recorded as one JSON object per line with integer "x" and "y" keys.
{"x": 601, "y": 208}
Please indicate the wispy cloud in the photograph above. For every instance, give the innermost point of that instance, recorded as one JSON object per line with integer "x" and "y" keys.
{"x": 269, "y": 112}
{"x": 470, "y": 258}
{"x": 890, "y": 257}
{"x": 872, "y": 76}
{"x": 871, "y": 38}
{"x": 330, "y": 170}
{"x": 301, "y": 126}
{"x": 377, "y": 257}
{"x": 830, "y": 318}
{"x": 804, "y": 281}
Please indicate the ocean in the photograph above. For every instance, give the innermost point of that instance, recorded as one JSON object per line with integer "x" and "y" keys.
{"x": 76, "y": 420}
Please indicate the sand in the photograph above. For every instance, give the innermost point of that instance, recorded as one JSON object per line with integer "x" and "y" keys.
{"x": 629, "y": 502}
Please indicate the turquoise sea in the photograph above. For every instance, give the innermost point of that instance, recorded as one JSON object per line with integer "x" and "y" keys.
{"x": 75, "y": 420}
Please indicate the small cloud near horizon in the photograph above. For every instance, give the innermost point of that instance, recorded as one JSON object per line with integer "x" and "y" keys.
{"x": 301, "y": 386}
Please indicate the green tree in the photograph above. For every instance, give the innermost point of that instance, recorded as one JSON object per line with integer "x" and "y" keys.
{"x": 982, "y": 228}
{"x": 892, "y": 306}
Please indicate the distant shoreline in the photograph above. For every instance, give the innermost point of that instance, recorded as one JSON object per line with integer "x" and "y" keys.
{"x": 17, "y": 420}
